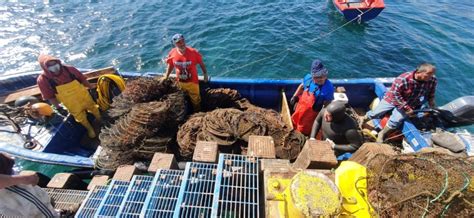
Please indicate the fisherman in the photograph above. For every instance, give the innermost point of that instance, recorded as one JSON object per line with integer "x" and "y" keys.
{"x": 60, "y": 83}
{"x": 311, "y": 95}
{"x": 20, "y": 197}
{"x": 408, "y": 93}
{"x": 183, "y": 59}
{"x": 340, "y": 128}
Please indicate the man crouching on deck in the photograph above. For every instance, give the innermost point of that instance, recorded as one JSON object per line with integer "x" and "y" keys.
{"x": 60, "y": 83}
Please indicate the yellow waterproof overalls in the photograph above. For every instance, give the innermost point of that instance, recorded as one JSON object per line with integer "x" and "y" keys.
{"x": 77, "y": 100}
{"x": 192, "y": 89}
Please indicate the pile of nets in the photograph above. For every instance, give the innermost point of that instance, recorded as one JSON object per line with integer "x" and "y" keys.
{"x": 144, "y": 120}
{"x": 142, "y": 89}
{"x": 220, "y": 98}
{"x": 231, "y": 127}
{"x": 421, "y": 185}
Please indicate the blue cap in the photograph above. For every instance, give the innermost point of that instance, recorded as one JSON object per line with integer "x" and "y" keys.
{"x": 176, "y": 38}
{"x": 318, "y": 69}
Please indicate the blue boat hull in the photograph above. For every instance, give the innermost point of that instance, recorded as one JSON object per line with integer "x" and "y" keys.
{"x": 61, "y": 142}
{"x": 351, "y": 14}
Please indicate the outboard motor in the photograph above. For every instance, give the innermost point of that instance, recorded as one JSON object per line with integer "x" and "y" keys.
{"x": 459, "y": 112}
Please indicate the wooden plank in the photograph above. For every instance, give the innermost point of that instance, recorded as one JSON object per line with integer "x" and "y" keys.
{"x": 285, "y": 111}
{"x": 34, "y": 90}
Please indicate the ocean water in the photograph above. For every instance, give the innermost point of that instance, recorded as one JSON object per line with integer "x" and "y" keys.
{"x": 251, "y": 39}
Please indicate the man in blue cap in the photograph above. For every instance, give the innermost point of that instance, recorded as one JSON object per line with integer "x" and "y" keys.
{"x": 311, "y": 95}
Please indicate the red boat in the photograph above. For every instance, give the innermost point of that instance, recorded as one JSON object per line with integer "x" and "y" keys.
{"x": 361, "y": 10}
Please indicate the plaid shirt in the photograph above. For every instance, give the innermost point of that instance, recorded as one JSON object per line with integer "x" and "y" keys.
{"x": 408, "y": 94}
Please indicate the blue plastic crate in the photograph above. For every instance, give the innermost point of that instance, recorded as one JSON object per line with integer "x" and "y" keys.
{"x": 413, "y": 136}
{"x": 163, "y": 194}
{"x": 91, "y": 203}
{"x": 109, "y": 206}
{"x": 197, "y": 190}
{"x": 236, "y": 190}
{"x": 135, "y": 196}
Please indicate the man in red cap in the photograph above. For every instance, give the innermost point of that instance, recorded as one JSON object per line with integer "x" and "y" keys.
{"x": 184, "y": 59}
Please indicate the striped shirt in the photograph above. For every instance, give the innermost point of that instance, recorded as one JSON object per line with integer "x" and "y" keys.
{"x": 407, "y": 93}
{"x": 25, "y": 201}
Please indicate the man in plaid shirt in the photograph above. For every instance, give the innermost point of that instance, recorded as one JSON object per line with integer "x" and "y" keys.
{"x": 409, "y": 92}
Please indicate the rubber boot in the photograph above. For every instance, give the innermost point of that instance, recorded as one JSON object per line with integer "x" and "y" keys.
{"x": 89, "y": 128}
{"x": 95, "y": 111}
{"x": 385, "y": 131}
{"x": 363, "y": 120}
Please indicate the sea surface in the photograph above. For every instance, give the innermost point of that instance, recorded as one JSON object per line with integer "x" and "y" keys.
{"x": 246, "y": 39}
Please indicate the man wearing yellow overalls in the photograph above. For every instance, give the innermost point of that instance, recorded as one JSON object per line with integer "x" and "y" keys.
{"x": 60, "y": 83}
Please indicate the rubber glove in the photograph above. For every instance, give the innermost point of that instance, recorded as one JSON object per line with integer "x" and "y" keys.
{"x": 294, "y": 100}
{"x": 331, "y": 143}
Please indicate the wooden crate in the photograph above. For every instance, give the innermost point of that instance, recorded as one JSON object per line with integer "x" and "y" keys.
{"x": 274, "y": 163}
{"x": 368, "y": 150}
{"x": 66, "y": 181}
{"x": 162, "y": 161}
{"x": 98, "y": 180}
{"x": 261, "y": 146}
{"x": 205, "y": 152}
{"x": 125, "y": 173}
{"x": 316, "y": 155}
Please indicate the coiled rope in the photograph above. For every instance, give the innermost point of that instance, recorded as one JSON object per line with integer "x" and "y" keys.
{"x": 106, "y": 85}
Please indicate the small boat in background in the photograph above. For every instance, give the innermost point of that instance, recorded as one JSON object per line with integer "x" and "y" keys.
{"x": 362, "y": 10}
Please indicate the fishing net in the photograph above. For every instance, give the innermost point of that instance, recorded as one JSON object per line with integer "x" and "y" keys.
{"x": 146, "y": 118}
{"x": 230, "y": 128}
{"x": 427, "y": 184}
{"x": 218, "y": 126}
{"x": 220, "y": 98}
{"x": 143, "y": 89}
{"x": 290, "y": 145}
{"x": 144, "y": 128}
{"x": 187, "y": 134}
{"x": 250, "y": 123}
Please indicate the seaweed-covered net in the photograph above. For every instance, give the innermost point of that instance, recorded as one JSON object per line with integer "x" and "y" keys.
{"x": 231, "y": 127}
{"x": 220, "y": 98}
{"x": 428, "y": 184}
{"x": 144, "y": 120}
{"x": 140, "y": 90}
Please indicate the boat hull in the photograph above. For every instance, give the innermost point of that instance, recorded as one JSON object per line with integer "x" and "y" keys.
{"x": 360, "y": 14}
{"x": 61, "y": 146}
{"x": 353, "y": 14}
